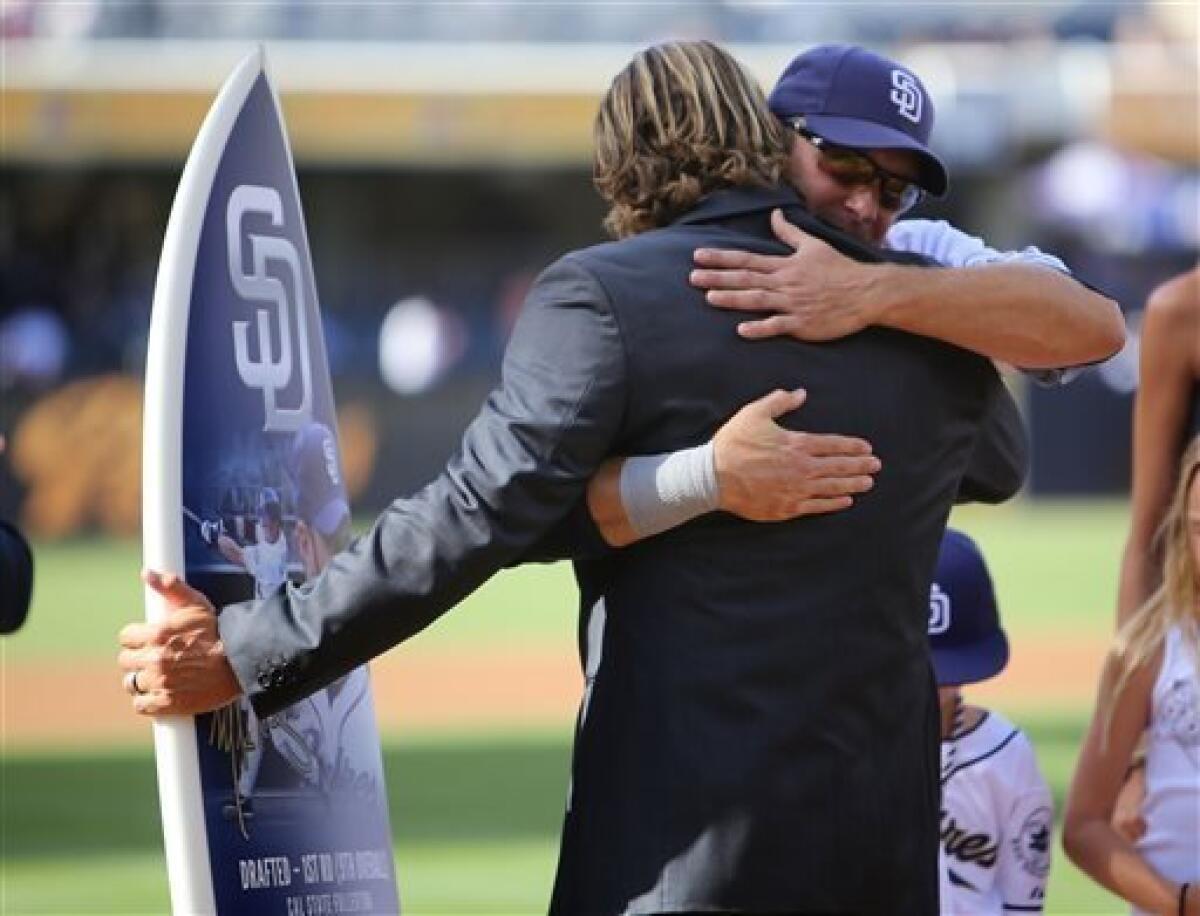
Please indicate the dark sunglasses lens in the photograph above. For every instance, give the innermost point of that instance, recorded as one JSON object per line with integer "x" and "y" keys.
{"x": 853, "y": 169}
{"x": 898, "y": 195}
{"x": 848, "y": 166}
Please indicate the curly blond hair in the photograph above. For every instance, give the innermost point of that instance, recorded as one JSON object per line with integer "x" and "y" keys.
{"x": 681, "y": 120}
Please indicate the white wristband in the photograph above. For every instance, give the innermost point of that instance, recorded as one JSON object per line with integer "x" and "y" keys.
{"x": 659, "y": 492}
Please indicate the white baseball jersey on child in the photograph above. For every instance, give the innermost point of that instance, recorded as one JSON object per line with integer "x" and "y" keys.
{"x": 1171, "y": 808}
{"x": 267, "y": 563}
{"x": 997, "y": 817}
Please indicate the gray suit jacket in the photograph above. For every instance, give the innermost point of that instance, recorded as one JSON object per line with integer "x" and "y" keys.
{"x": 759, "y": 732}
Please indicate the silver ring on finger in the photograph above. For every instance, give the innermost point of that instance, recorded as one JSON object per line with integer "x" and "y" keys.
{"x": 132, "y": 687}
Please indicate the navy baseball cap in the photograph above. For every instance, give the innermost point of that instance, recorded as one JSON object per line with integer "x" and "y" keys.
{"x": 856, "y": 98}
{"x": 964, "y": 623}
{"x": 316, "y": 470}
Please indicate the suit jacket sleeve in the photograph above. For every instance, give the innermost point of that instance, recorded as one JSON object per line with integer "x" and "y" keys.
{"x": 574, "y": 537}
{"x": 1001, "y": 454}
{"x": 524, "y": 462}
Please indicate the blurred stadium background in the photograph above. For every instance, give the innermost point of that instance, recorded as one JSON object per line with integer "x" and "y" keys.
{"x": 443, "y": 158}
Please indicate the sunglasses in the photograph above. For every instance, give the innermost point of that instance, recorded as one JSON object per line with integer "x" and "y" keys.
{"x": 852, "y": 169}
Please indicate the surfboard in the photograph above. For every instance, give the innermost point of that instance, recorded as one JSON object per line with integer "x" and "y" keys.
{"x": 242, "y": 494}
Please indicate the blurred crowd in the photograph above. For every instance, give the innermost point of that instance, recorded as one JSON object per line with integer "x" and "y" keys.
{"x": 516, "y": 20}
{"x": 79, "y": 251}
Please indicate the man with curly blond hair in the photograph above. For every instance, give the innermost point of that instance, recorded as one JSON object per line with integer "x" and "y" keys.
{"x": 759, "y": 728}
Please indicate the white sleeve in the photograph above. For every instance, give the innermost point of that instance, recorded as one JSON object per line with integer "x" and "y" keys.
{"x": 250, "y": 559}
{"x": 951, "y": 247}
{"x": 1026, "y": 833}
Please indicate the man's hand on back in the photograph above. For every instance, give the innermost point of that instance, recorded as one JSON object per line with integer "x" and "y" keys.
{"x": 767, "y": 473}
{"x": 816, "y": 293}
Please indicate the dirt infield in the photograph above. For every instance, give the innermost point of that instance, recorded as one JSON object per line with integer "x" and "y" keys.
{"x": 80, "y": 704}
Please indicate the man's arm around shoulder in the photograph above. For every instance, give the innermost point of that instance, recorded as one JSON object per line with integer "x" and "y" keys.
{"x": 1025, "y": 314}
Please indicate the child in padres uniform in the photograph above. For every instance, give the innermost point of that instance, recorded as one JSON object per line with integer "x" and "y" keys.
{"x": 997, "y": 811}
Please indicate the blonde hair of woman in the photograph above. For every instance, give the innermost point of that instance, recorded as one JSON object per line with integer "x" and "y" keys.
{"x": 1159, "y": 874}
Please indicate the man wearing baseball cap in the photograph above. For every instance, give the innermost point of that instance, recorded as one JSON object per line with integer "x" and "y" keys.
{"x": 855, "y": 100}
{"x": 862, "y": 158}
{"x": 997, "y": 812}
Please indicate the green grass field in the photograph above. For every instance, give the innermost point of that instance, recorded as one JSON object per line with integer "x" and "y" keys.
{"x": 475, "y": 817}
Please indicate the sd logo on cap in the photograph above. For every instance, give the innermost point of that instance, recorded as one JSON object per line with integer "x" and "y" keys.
{"x": 965, "y": 636}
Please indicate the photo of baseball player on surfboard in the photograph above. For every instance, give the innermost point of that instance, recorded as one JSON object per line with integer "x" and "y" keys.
{"x": 244, "y": 496}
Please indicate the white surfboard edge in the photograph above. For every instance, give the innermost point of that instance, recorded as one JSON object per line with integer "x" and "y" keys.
{"x": 179, "y": 789}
